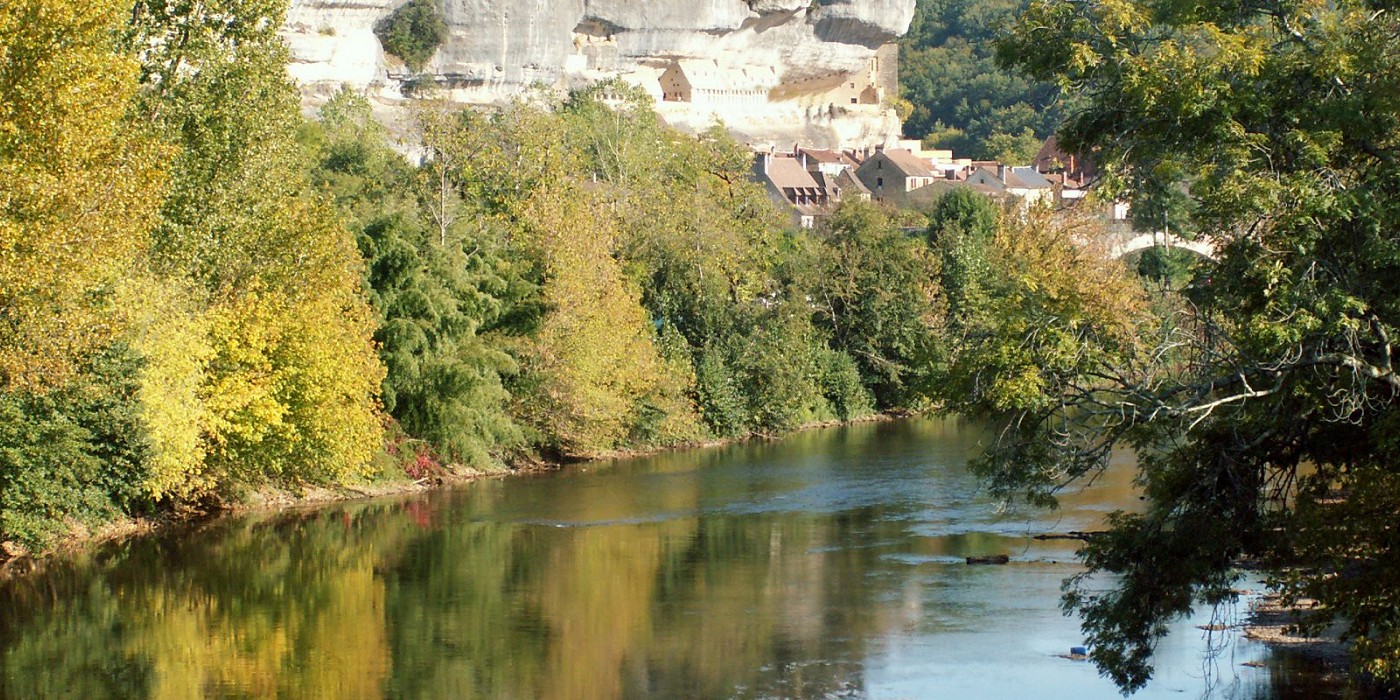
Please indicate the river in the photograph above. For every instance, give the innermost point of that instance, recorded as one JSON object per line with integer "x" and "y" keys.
{"x": 829, "y": 564}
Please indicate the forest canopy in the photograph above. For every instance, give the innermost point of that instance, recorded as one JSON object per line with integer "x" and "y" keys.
{"x": 963, "y": 99}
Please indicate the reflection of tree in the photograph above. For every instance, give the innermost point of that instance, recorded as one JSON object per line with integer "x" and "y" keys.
{"x": 457, "y": 624}
{"x": 258, "y": 610}
{"x": 754, "y": 600}
{"x": 646, "y": 589}
{"x": 80, "y": 652}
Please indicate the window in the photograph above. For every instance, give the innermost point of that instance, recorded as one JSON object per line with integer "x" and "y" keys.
{"x": 853, "y": 100}
{"x": 879, "y": 182}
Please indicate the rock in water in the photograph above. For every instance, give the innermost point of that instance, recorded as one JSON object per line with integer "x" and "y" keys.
{"x": 992, "y": 559}
{"x": 774, "y": 71}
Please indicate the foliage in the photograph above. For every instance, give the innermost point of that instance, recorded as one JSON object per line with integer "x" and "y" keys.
{"x": 877, "y": 297}
{"x": 286, "y": 371}
{"x": 413, "y": 32}
{"x": 962, "y": 99}
{"x": 1167, "y": 266}
{"x": 961, "y": 230}
{"x": 592, "y": 376}
{"x": 594, "y": 353}
{"x": 79, "y": 186}
{"x": 72, "y": 456}
{"x": 1265, "y": 417}
{"x": 433, "y": 291}
{"x": 1053, "y": 315}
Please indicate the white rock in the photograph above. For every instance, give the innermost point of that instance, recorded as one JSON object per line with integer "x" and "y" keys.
{"x": 829, "y": 78}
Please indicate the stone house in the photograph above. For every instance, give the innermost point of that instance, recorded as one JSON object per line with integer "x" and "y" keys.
{"x": 793, "y": 187}
{"x": 1016, "y": 181}
{"x": 892, "y": 173}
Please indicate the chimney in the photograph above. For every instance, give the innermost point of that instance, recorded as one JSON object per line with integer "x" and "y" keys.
{"x": 1001, "y": 172}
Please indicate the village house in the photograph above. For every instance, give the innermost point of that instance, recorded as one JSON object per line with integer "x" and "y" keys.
{"x": 809, "y": 182}
{"x": 825, "y": 161}
{"x": 793, "y": 187}
{"x": 892, "y": 173}
{"x": 1016, "y": 181}
{"x": 1071, "y": 175}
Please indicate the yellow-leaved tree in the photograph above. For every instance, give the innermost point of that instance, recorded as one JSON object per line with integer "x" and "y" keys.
{"x": 601, "y": 376}
{"x": 259, "y": 363}
{"x": 79, "y": 185}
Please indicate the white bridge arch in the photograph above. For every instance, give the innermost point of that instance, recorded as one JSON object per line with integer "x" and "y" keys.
{"x": 1134, "y": 243}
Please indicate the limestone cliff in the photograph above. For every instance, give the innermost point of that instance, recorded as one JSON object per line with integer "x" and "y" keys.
{"x": 817, "y": 71}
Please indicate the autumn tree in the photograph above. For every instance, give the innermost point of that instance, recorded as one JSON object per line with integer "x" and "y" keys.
{"x": 255, "y": 260}
{"x": 1265, "y": 414}
{"x": 79, "y": 185}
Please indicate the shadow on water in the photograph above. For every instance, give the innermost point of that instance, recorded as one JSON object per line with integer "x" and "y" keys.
{"x": 826, "y": 565}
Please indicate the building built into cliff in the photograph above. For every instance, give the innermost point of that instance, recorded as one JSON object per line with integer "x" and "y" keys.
{"x": 708, "y": 83}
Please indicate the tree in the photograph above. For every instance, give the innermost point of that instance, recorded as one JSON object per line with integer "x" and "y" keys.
{"x": 961, "y": 98}
{"x": 878, "y": 298}
{"x": 1265, "y": 414}
{"x": 73, "y": 455}
{"x": 435, "y": 283}
{"x": 961, "y": 229}
{"x": 413, "y": 32}
{"x": 79, "y": 186}
{"x": 279, "y": 345}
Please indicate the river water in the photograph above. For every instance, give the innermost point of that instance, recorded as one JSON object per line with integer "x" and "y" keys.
{"x": 826, "y": 565}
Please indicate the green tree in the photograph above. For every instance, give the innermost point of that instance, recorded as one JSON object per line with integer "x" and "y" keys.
{"x": 961, "y": 98}
{"x": 74, "y": 455}
{"x": 961, "y": 230}
{"x": 413, "y": 32}
{"x": 1265, "y": 416}
{"x": 877, "y": 297}
{"x": 435, "y": 283}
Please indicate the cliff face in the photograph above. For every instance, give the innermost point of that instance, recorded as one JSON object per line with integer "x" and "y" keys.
{"x": 772, "y": 70}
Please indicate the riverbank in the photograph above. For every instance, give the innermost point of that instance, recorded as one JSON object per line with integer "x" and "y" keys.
{"x": 16, "y": 561}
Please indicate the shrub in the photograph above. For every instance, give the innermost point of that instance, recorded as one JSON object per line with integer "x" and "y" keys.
{"x": 413, "y": 32}
{"x": 69, "y": 457}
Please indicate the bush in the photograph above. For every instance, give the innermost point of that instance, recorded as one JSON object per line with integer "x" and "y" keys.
{"x": 413, "y": 32}
{"x": 842, "y": 386}
{"x": 70, "y": 457}
{"x": 718, "y": 395}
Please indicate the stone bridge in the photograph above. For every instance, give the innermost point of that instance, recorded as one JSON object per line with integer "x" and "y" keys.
{"x": 1127, "y": 241}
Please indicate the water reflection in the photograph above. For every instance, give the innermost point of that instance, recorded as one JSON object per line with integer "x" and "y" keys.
{"x": 826, "y": 565}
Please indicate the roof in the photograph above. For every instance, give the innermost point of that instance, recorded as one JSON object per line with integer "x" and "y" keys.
{"x": 786, "y": 172}
{"x": 985, "y": 178}
{"x": 938, "y": 188}
{"x": 1052, "y": 158}
{"x": 823, "y": 155}
{"x": 908, "y": 163}
{"x": 1025, "y": 177}
{"x": 848, "y": 181}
